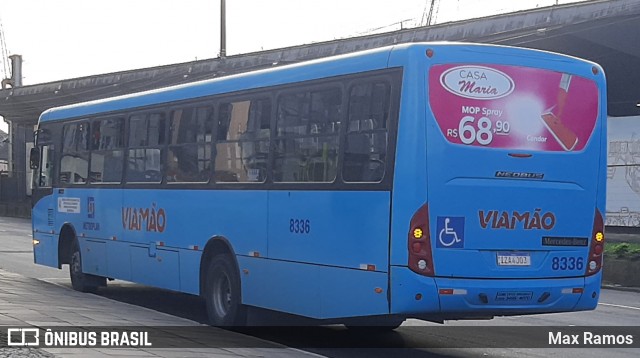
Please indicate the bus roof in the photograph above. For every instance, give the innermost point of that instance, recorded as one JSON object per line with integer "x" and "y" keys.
{"x": 363, "y": 61}
{"x": 327, "y": 67}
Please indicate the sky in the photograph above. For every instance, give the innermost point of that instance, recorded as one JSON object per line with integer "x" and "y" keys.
{"x": 74, "y": 38}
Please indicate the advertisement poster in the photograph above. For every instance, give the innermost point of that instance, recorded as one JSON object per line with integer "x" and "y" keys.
{"x": 513, "y": 107}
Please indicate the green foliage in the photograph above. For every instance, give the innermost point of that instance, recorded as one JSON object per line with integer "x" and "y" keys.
{"x": 623, "y": 250}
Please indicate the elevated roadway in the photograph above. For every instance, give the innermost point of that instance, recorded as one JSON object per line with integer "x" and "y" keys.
{"x": 604, "y": 31}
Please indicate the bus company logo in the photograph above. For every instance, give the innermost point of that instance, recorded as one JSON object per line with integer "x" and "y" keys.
{"x": 477, "y": 82}
{"x": 495, "y": 219}
{"x": 23, "y": 337}
{"x": 151, "y": 219}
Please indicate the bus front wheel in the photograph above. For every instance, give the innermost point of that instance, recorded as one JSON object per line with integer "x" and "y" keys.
{"x": 224, "y": 305}
{"x": 81, "y": 281}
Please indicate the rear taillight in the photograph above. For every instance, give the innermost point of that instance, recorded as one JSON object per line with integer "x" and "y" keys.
{"x": 596, "y": 248}
{"x": 419, "y": 243}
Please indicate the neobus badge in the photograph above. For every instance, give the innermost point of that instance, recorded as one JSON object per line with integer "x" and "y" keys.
{"x": 477, "y": 82}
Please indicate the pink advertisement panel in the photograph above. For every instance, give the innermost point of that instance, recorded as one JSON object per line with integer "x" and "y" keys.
{"x": 513, "y": 107}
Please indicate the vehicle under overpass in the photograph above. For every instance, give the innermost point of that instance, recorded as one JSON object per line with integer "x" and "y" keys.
{"x": 602, "y": 31}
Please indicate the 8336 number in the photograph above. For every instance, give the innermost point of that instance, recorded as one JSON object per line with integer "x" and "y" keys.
{"x": 567, "y": 263}
{"x": 300, "y": 226}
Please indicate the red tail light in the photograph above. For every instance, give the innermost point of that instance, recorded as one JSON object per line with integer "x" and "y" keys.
{"x": 419, "y": 243}
{"x": 596, "y": 248}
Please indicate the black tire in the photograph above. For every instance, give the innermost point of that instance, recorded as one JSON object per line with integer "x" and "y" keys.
{"x": 222, "y": 295}
{"x": 81, "y": 281}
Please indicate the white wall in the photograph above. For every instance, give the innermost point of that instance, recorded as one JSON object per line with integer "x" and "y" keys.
{"x": 623, "y": 171}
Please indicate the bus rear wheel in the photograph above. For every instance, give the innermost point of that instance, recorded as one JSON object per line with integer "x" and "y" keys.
{"x": 223, "y": 298}
{"x": 81, "y": 281}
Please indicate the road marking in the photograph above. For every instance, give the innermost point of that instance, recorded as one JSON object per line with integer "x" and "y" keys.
{"x": 307, "y": 353}
{"x": 619, "y": 306}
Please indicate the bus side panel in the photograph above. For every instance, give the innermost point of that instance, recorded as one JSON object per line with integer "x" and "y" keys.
{"x": 314, "y": 291}
{"x": 93, "y": 213}
{"x": 183, "y": 220}
{"x": 190, "y": 271}
{"x": 94, "y": 257}
{"x": 46, "y": 252}
{"x": 118, "y": 260}
{"x": 264, "y": 285}
{"x": 335, "y": 228}
{"x": 313, "y": 237}
{"x": 155, "y": 267}
{"x": 410, "y": 178}
{"x": 191, "y": 217}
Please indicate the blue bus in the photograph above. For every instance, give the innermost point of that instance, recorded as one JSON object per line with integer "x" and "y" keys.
{"x": 427, "y": 180}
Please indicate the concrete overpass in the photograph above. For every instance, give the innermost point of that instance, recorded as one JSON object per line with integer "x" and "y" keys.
{"x": 604, "y": 31}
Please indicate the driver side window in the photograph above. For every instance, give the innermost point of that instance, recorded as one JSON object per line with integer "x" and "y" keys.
{"x": 74, "y": 164}
{"x": 46, "y": 168}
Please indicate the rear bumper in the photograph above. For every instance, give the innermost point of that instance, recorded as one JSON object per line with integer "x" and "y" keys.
{"x": 489, "y": 297}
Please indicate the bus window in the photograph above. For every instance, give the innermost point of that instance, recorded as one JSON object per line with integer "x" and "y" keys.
{"x": 74, "y": 164}
{"x": 107, "y": 150}
{"x": 146, "y": 140}
{"x": 366, "y": 145}
{"x": 243, "y": 141}
{"x": 308, "y": 127}
{"x": 46, "y": 168}
{"x": 189, "y": 156}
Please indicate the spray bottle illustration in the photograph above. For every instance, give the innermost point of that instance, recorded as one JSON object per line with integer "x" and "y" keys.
{"x": 552, "y": 118}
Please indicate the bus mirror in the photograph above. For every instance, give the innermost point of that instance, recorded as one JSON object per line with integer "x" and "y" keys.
{"x": 34, "y": 158}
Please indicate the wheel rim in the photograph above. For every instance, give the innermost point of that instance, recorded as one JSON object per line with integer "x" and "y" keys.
{"x": 222, "y": 295}
{"x": 75, "y": 264}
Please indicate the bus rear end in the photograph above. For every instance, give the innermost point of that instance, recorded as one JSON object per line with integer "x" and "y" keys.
{"x": 513, "y": 216}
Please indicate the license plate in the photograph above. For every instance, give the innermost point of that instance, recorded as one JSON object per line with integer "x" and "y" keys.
{"x": 514, "y": 259}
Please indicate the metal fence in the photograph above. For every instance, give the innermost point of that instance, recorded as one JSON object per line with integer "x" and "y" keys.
{"x": 14, "y": 200}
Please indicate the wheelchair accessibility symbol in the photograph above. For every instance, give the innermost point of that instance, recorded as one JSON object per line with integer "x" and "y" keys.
{"x": 450, "y": 231}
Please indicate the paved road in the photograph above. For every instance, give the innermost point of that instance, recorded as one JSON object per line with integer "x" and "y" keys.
{"x": 616, "y": 308}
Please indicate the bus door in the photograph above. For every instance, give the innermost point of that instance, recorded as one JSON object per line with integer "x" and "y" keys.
{"x": 42, "y": 161}
{"x": 514, "y": 170}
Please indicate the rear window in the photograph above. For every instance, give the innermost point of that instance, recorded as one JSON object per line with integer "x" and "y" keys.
{"x": 513, "y": 107}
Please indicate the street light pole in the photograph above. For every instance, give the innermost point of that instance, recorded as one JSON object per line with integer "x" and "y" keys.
{"x": 223, "y": 30}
